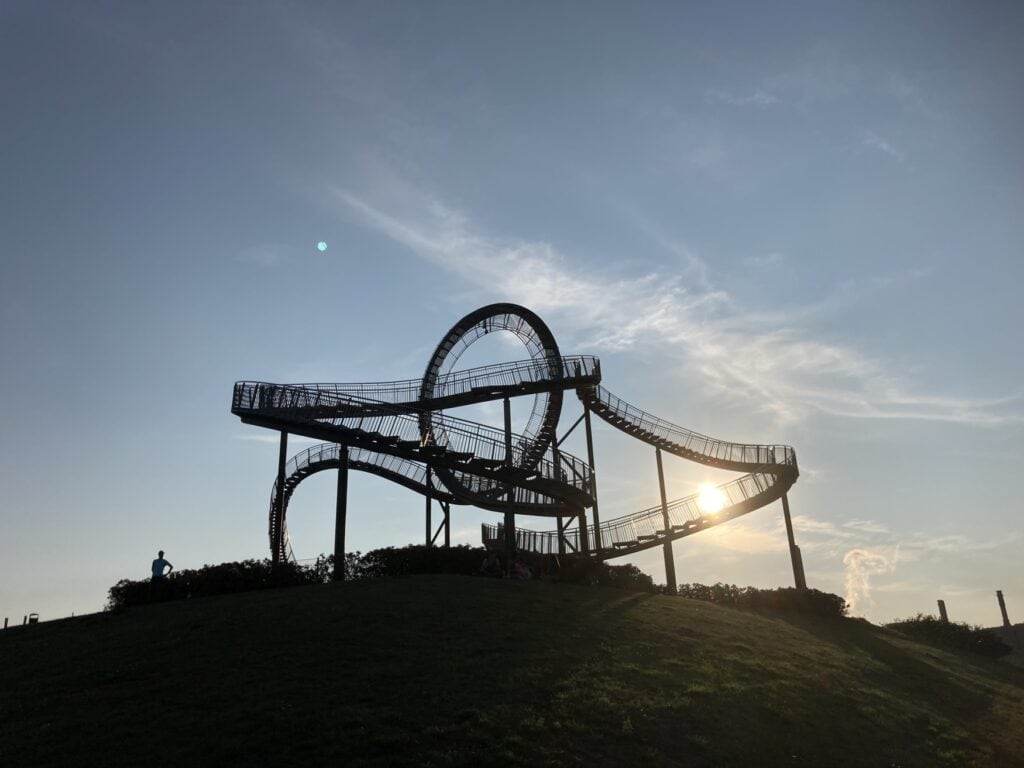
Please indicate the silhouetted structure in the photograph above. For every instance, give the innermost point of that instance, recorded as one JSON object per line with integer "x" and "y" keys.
{"x": 396, "y": 430}
{"x": 1002, "y": 608}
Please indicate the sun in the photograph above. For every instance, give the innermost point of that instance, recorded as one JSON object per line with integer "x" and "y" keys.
{"x": 710, "y": 499}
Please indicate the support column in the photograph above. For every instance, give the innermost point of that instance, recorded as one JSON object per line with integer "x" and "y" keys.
{"x": 561, "y": 536}
{"x": 584, "y": 533}
{"x": 670, "y": 563}
{"x": 510, "y": 517}
{"x": 340, "y": 512}
{"x": 277, "y": 544}
{"x": 1002, "y": 608}
{"x": 428, "y": 523}
{"x": 447, "y": 507}
{"x": 794, "y": 550}
{"x": 593, "y": 478}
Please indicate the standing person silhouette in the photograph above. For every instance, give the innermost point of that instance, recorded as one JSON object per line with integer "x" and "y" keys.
{"x": 159, "y": 574}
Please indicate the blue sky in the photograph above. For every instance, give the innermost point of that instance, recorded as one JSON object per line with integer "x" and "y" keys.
{"x": 798, "y": 223}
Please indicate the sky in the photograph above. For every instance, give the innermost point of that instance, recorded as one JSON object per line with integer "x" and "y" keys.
{"x": 791, "y": 223}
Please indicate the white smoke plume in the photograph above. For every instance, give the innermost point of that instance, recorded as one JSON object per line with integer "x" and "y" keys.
{"x": 861, "y": 565}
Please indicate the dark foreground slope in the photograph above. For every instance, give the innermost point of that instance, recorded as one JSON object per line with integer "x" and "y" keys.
{"x": 462, "y": 671}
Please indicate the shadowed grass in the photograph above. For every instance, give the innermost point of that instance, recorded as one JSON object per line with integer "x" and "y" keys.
{"x": 445, "y": 671}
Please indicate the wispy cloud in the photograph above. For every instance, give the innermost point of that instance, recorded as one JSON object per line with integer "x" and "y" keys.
{"x": 274, "y": 439}
{"x": 866, "y": 526}
{"x": 874, "y": 141}
{"x": 765, "y": 260}
{"x": 760, "y": 99}
{"x": 263, "y": 254}
{"x": 735, "y": 353}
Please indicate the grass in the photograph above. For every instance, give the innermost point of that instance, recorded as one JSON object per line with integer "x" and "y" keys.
{"x": 445, "y": 671}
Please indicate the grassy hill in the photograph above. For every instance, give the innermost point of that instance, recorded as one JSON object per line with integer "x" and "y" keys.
{"x": 450, "y": 670}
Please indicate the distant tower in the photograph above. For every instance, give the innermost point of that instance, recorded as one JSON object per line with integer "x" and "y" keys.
{"x": 1002, "y": 607}
{"x": 942, "y": 611}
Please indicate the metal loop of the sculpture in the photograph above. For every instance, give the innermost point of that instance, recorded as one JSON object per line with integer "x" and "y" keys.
{"x": 539, "y": 342}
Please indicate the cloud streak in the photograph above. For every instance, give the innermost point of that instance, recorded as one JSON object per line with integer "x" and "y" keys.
{"x": 736, "y": 354}
{"x": 760, "y": 99}
{"x": 876, "y": 142}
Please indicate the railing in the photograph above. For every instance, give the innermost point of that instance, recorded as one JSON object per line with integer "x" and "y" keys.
{"x": 574, "y": 369}
{"x": 649, "y": 524}
{"x": 328, "y": 453}
{"x": 369, "y": 418}
{"x": 752, "y": 455}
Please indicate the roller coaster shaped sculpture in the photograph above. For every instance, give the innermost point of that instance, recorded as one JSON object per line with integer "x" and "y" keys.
{"x": 398, "y": 430}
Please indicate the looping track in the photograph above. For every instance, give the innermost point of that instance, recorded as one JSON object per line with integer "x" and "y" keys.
{"x": 397, "y": 430}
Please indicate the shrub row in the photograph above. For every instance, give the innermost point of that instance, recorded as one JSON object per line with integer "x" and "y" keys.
{"x": 249, "y": 575}
{"x": 957, "y": 635}
{"x": 466, "y": 560}
{"x": 784, "y": 600}
{"x": 222, "y": 579}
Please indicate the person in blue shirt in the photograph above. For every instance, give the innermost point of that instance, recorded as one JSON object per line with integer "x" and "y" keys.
{"x": 161, "y": 568}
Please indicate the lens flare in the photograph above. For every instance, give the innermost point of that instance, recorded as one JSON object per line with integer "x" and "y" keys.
{"x": 321, "y": 246}
{"x": 710, "y": 499}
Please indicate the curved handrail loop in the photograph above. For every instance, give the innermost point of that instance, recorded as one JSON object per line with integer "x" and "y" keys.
{"x": 535, "y": 335}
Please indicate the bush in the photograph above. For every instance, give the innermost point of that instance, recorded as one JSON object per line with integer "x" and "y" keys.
{"x": 416, "y": 559}
{"x": 209, "y": 580}
{"x": 783, "y": 600}
{"x": 464, "y": 560}
{"x": 956, "y": 635}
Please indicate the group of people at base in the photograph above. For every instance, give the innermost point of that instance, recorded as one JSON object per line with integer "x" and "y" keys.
{"x": 520, "y": 569}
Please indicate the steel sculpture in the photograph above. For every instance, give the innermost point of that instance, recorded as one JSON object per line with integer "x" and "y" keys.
{"x": 399, "y": 430}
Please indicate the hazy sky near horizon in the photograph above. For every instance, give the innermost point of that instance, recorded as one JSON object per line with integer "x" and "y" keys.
{"x": 785, "y": 223}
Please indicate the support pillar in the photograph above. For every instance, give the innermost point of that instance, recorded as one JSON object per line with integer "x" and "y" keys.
{"x": 428, "y": 523}
{"x": 584, "y": 533}
{"x": 278, "y": 543}
{"x": 1002, "y": 607}
{"x": 593, "y": 478}
{"x": 794, "y": 550}
{"x": 942, "y": 612}
{"x": 561, "y": 536}
{"x": 340, "y": 512}
{"x": 447, "y": 507}
{"x": 510, "y": 517}
{"x": 670, "y": 563}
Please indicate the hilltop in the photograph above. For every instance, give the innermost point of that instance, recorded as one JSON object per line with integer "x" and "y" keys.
{"x": 448, "y": 670}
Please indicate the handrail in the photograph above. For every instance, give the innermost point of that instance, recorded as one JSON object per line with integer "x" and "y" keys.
{"x": 407, "y": 391}
{"x": 649, "y": 524}
{"x": 352, "y": 415}
{"x": 685, "y": 441}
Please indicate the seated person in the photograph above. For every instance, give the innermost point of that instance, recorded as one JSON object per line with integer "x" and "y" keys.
{"x": 491, "y": 565}
{"x": 551, "y": 568}
{"x": 520, "y": 570}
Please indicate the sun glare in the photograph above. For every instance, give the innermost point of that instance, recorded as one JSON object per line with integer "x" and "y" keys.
{"x": 710, "y": 499}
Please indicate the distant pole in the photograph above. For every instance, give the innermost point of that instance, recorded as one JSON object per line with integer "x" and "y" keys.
{"x": 340, "y": 513}
{"x": 942, "y": 612}
{"x": 510, "y": 516}
{"x": 593, "y": 477}
{"x": 428, "y": 523}
{"x": 1002, "y": 607}
{"x": 670, "y": 565}
{"x": 794, "y": 550}
{"x": 282, "y": 457}
{"x": 5, "y": 622}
